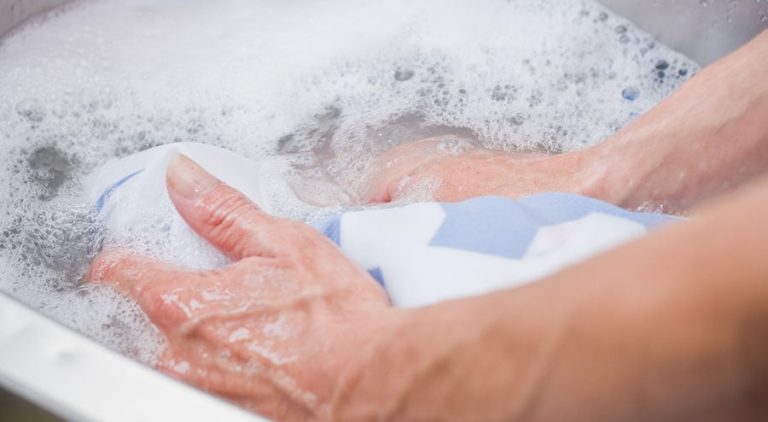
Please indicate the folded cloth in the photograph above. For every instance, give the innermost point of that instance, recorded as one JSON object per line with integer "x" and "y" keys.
{"x": 420, "y": 253}
{"x": 428, "y": 252}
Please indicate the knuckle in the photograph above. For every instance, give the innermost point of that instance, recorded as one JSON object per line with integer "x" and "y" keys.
{"x": 226, "y": 219}
{"x": 224, "y": 209}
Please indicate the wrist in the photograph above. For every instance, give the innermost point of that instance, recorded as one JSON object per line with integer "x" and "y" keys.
{"x": 424, "y": 366}
{"x": 517, "y": 175}
{"x": 690, "y": 147}
{"x": 462, "y": 359}
{"x": 596, "y": 175}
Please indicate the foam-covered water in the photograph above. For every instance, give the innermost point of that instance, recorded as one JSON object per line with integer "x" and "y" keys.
{"x": 326, "y": 85}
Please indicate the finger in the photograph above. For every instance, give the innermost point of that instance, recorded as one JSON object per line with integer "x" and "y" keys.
{"x": 129, "y": 273}
{"x": 159, "y": 289}
{"x": 224, "y": 216}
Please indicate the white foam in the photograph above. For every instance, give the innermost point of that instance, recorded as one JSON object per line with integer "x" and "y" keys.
{"x": 327, "y": 85}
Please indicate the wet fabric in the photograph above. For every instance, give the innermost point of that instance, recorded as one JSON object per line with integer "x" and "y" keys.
{"x": 421, "y": 253}
{"x": 428, "y": 252}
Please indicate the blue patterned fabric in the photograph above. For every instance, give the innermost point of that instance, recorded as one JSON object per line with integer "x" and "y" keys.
{"x": 423, "y": 253}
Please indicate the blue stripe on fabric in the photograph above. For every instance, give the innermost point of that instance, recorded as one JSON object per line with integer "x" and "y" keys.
{"x": 503, "y": 227}
{"x": 558, "y": 208}
{"x": 331, "y": 228}
{"x": 377, "y": 275}
{"x": 487, "y": 225}
{"x": 107, "y": 192}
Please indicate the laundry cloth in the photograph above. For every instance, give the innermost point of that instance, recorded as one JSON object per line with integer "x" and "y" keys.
{"x": 420, "y": 253}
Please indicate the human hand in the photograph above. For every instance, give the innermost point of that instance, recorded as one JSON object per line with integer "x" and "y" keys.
{"x": 683, "y": 152}
{"x": 294, "y": 331}
{"x": 452, "y": 171}
{"x": 275, "y": 331}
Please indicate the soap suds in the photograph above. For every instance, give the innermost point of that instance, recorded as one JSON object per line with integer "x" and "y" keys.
{"x": 326, "y": 85}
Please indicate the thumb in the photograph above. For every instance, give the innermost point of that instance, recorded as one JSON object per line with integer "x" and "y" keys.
{"x": 222, "y": 215}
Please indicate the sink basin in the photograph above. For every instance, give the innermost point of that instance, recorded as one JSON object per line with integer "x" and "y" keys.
{"x": 704, "y": 30}
{"x": 46, "y": 363}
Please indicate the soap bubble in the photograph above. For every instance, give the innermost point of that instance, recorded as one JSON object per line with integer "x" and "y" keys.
{"x": 630, "y": 93}
{"x": 31, "y": 110}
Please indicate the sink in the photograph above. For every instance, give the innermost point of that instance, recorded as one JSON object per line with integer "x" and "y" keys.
{"x": 36, "y": 356}
{"x": 704, "y": 30}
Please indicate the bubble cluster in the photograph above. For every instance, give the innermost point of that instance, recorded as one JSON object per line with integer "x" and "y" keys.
{"x": 327, "y": 86}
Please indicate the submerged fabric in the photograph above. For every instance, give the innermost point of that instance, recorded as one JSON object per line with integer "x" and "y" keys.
{"x": 421, "y": 253}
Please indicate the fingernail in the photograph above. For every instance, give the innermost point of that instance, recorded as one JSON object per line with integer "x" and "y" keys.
{"x": 188, "y": 180}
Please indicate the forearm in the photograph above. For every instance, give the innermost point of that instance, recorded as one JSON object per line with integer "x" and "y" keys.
{"x": 673, "y": 326}
{"x": 708, "y": 137}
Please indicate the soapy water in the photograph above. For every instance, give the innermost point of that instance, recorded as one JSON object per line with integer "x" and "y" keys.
{"x": 326, "y": 86}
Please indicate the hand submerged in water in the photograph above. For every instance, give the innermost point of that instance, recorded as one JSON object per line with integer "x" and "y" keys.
{"x": 449, "y": 172}
{"x": 276, "y": 330}
{"x": 678, "y": 155}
